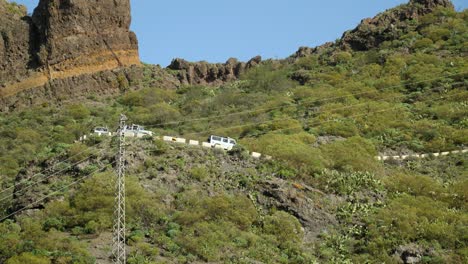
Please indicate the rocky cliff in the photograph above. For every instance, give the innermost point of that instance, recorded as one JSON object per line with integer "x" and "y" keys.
{"x": 63, "y": 40}
{"x": 16, "y": 30}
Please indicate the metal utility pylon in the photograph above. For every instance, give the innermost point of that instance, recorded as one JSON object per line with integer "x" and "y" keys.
{"x": 118, "y": 249}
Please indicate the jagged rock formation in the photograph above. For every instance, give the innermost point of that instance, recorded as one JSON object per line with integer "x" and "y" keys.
{"x": 371, "y": 32}
{"x": 62, "y": 40}
{"x": 204, "y": 73}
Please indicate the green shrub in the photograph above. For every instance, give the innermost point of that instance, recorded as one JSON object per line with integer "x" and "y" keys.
{"x": 423, "y": 44}
{"x": 28, "y": 258}
{"x": 53, "y": 223}
{"x": 267, "y": 78}
{"x": 199, "y": 173}
{"x": 91, "y": 227}
{"x": 238, "y": 210}
{"x": 285, "y": 228}
{"x": 353, "y": 154}
{"x": 347, "y": 183}
{"x": 293, "y": 149}
{"x": 11, "y": 239}
{"x": 408, "y": 219}
{"x": 78, "y": 152}
{"x": 343, "y": 57}
{"x": 78, "y": 111}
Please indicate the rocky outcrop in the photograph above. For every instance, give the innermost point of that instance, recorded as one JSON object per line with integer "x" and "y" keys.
{"x": 412, "y": 253}
{"x": 391, "y": 24}
{"x": 204, "y": 73}
{"x": 80, "y": 33}
{"x": 63, "y": 39}
{"x": 16, "y": 30}
{"x": 372, "y": 32}
{"x": 296, "y": 200}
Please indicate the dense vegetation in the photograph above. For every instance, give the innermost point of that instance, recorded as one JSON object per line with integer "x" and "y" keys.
{"x": 323, "y": 117}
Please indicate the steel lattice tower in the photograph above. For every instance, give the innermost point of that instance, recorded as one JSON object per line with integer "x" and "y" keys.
{"x": 118, "y": 249}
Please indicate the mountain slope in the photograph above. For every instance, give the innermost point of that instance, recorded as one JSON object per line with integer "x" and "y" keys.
{"x": 323, "y": 115}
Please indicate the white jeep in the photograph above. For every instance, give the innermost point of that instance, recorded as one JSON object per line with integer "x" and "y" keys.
{"x": 136, "y": 130}
{"x": 222, "y": 142}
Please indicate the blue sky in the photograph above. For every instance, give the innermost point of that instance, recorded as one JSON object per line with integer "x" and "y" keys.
{"x": 215, "y": 30}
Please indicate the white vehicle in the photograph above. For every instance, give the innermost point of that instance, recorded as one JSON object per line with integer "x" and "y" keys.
{"x": 137, "y": 130}
{"x": 101, "y": 131}
{"x": 222, "y": 142}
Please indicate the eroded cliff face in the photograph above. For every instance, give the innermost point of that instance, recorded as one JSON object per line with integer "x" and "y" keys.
{"x": 85, "y": 33}
{"x": 64, "y": 39}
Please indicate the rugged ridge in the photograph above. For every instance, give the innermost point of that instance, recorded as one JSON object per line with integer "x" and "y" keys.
{"x": 371, "y": 32}
{"x": 62, "y": 39}
{"x": 388, "y": 25}
{"x": 84, "y": 47}
{"x": 204, "y": 73}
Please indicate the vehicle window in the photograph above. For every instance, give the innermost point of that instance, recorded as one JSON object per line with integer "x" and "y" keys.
{"x": 217, "y": 138}
{"x": 225, "y": 140}
{"x": 232, "y": 141}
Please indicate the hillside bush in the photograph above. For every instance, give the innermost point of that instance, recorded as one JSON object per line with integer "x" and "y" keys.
{"x": 353, "y": 154}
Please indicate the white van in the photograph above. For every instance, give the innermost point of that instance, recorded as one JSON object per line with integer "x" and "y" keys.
{"x": 137, "y": 130}
{"x": 222, "y": 142}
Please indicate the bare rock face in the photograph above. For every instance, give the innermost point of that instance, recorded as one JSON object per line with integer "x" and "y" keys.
{"x": 85, "y": 33}
{"x": 204, "y": 73}
{"x": 296, "y": 201}
{"x": 15, "y": 47}
{"x": 63, "y": 41}
{"x": 389, "y": 24}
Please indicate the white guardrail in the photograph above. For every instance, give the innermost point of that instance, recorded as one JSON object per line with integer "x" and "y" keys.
{"x": 175, "y": 140}
{"x": 421, "y": 156}
{"x": 260, "y": 155}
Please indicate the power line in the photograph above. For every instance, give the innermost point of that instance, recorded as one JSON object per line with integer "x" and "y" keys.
{"x": 23, "y": 188}
{"x": 40, "y": 173}
{"x": 303, "y": 102}
{"x": 56, "y": 192}
{"x": 250, "y": 124}
{"x": 285, "y": 119}
{"x": 289, "y": 118}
